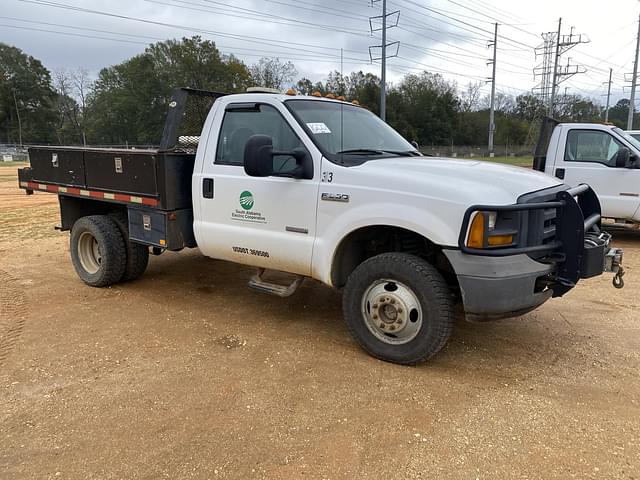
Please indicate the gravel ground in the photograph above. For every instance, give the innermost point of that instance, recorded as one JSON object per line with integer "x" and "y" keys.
{"x": 186, "y": 373}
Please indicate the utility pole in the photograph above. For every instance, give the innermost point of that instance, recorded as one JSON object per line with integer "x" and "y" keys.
{"x": 15, "y": 101}
{"x": 383, "y": 74}
{"x": 492, "y": 124}
{"x": 555, "y": 69}
{"x": 383, "y": 57}
{"x": 606, "y": 110}
{"x": 632, "y": 98}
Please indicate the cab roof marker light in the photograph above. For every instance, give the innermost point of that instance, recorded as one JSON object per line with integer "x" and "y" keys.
{"x": 316, "y": 94}
{"x": 330, "y": 95}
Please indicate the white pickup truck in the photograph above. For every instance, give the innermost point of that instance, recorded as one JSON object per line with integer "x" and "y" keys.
{"x": 602, "y": 156}
{"x": 324, "y": 189}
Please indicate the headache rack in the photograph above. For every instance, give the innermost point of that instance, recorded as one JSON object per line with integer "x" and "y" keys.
{"x": 544, "y": 137}
{"x": 188, "y": 110}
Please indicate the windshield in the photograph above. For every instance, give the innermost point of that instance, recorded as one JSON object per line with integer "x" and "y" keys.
{"x": 348, "y": 133}
{"x": 628, "y": 137}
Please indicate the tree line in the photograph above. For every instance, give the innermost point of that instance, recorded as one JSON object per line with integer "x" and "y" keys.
{"x": 127, "y": 102}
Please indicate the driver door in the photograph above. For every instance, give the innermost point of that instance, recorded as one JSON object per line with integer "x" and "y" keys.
{"x": 590, "y": 157}
{"x": 268, "y": 222}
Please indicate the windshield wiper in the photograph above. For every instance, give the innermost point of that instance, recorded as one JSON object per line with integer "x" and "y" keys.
{"x": 410, "y": 153}
{"x": 373, "y": 151}
{"x": 361, "y": 151}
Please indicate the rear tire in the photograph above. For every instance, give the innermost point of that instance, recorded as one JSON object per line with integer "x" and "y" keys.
{"x": 398, "y": 308}
{"x": 98, "y": 251}
{"x": 137, "y": 254}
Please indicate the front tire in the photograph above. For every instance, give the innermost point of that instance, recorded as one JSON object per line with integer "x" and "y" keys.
{"x": 98, "y": 250}
{"x": 398, "y": 308}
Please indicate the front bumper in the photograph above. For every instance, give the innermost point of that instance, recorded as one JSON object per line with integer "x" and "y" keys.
{"x": 499, "y": 287}
{"x": 563, "y": 244}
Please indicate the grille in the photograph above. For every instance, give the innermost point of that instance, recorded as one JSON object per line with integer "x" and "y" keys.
{"x": 549, "y": 225}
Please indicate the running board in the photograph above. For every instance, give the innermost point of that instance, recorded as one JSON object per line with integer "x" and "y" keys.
{"x": 257, "y": 283}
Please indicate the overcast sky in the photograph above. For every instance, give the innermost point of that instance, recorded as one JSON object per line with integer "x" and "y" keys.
{"x": 445, "y": 36}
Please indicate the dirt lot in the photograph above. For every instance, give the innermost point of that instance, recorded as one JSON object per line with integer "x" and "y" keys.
{"x": 187, "y": 374}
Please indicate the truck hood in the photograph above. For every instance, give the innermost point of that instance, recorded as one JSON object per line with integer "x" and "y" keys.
{"x": 461, "y": 181}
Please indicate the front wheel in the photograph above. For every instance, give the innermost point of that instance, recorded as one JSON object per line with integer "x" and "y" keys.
{"x": 398, "y": 308}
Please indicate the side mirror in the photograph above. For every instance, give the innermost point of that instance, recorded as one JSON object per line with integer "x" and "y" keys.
{"x": 415, "y": 145}
{"x": 258, "y": 159}
{"x": 258, "y": 156}
{"x": 623, "y": 156}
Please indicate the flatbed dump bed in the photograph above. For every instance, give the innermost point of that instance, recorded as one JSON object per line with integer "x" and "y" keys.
{"x": 152, "y": 185}
{"x": 160, "y": 179}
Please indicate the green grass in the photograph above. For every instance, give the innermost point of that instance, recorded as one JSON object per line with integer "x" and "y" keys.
{"x": 14, "y": 164}
{"x": 520, "y": 161}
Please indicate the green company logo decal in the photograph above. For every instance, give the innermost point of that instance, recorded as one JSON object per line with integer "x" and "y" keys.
{"x": 246, "y": 200}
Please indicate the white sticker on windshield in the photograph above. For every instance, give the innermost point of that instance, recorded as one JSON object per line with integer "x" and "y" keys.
{"x": 317, "y": 128}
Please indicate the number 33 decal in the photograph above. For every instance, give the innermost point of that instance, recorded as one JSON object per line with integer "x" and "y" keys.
{"x": 327, "y": 177}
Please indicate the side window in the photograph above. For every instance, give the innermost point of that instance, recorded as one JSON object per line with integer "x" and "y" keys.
{"x": 591, "y": 146}
{"x": 239, "y": 125}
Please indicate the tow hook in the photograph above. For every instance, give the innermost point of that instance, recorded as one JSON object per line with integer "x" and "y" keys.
{"x": 618, "y": 281}
{"x": 613, "y": 263}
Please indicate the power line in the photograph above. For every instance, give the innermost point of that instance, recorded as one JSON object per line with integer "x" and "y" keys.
{"x": 507, "y": 39}
{"x": 324, "y": 58}
{"x": 240, "y": 37}
{"x": 261, "y": 16}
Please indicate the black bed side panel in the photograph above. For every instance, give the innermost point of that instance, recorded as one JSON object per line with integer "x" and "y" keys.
{"x": 121, "y": 172}
{"x": 63, "y": 167}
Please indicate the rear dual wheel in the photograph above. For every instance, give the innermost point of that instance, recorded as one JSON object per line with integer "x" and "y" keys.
{"x": 98, "y": 250}
{"x": 101, "y": 253}
{"x": 137, "y": 254}
{"x": 398, "y": 308}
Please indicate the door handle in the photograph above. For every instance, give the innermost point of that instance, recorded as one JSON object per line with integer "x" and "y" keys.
{"x": 560, "y": 173}
{"x": 207, "y": 187}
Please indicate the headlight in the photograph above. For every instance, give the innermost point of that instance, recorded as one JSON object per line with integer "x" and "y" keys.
{"x": 483, "y": 233}
{"x": 492, "y": 217}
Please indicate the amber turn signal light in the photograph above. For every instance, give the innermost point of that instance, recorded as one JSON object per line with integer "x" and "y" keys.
{"x": 476, "y": 232}
{"x": 497, "y": 240}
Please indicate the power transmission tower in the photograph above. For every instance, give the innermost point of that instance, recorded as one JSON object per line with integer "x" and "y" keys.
{"x": 552, "y": 73}
{"x": 373, "y": 22}
{"x": 632, "y": 98}
{"x": 545, "y": 69}
{"x": 492, "y": 124}
{"x": 606, "y": 110}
